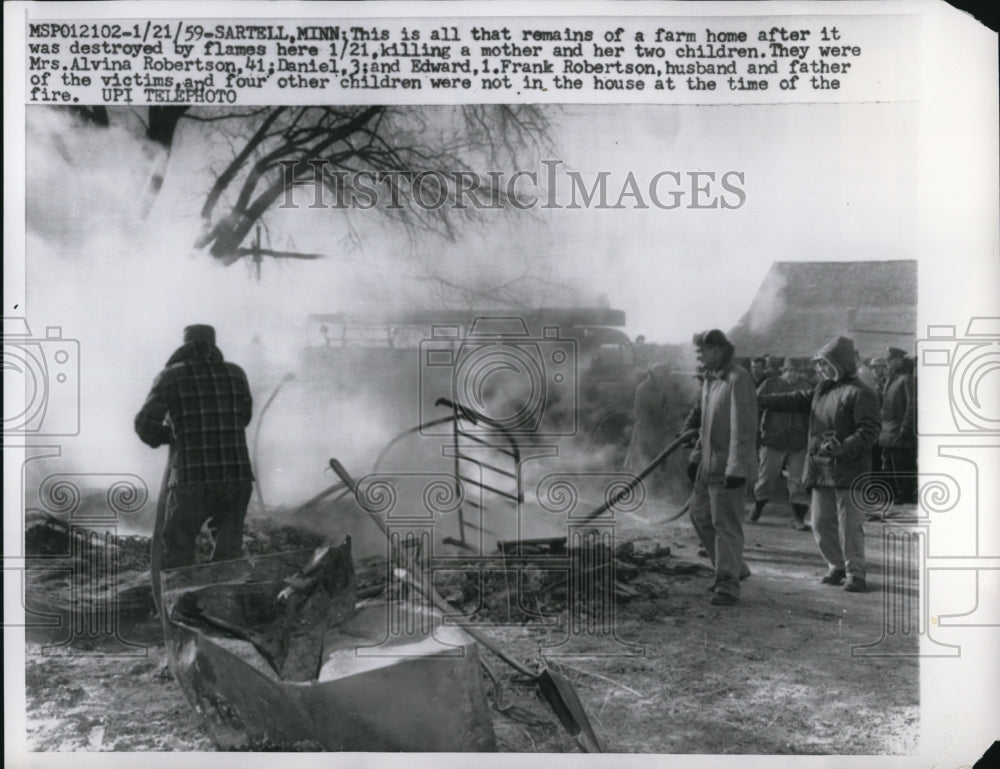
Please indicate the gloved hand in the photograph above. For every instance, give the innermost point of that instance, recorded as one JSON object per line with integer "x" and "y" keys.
{"x": 829, "y": 445}
{"x": 693, "y": 471}
{"x": 734, "y": 481}
{"x": 692, "y": 439}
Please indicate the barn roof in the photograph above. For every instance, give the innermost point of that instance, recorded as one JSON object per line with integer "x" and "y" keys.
{"x": 801, "y": 305}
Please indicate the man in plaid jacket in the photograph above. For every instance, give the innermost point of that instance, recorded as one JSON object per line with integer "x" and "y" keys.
{"x": 200, "y": 406}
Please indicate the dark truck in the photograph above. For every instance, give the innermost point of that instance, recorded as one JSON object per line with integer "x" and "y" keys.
{"x": 547, "y": 373}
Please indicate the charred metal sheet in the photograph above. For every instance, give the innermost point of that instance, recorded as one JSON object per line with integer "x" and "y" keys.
{"x": 400, "y": 680}
{"x": 283, "y": 617}
{"x": 364, "y": 685}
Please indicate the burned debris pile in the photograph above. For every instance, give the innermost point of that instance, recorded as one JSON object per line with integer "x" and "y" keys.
{"x": 49, "y": 537}
{"x": 75, "y": 573}
{"x": 535, "y": 580}
{"x": 288, "y": 647}
{"x": 521, "y": 582}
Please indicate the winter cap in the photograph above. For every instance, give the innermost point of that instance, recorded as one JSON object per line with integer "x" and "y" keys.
{"x": 839, "y": 353}
{"x": 713, "y": 338}
{"x": 796, "y": 364}
{"x": 199, "y": 332}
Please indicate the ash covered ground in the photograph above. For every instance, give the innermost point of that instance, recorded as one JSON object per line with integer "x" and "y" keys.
{"x": 774, "y": 674}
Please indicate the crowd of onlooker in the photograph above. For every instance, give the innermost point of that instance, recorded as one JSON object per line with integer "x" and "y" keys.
{"x": 819, "y": 422}
{"x": 782, "y": 436}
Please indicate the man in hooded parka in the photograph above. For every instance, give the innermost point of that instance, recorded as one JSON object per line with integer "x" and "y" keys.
{"x": 844, "y": 424}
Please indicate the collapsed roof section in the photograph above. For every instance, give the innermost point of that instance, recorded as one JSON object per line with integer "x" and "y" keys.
{"x": 801, "y": 305}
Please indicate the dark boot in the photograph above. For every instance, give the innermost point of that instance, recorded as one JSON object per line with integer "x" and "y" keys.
{"x": 724, "y": 599}
{"x": 758, "y": 509}
{"x": 801, "y": 511}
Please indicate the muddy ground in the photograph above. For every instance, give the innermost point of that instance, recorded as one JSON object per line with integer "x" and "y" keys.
{"x": 775, "y": 674}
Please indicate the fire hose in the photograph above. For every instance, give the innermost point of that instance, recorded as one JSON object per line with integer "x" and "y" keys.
{"x": 630, "y": 487}
{"x": 256, "y": 437}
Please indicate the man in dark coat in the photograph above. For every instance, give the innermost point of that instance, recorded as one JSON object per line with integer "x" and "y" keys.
{"x": 843, "y": 427}
{"x": 866, "y": 375}
{"x": 200, "y": 405}
{"x": 783, "y": 437}
{"x": 898, "y": 438}
{"x": 722, "y": 462}
{"x": 773, "y": 366}
{"x": 880, "y": 369}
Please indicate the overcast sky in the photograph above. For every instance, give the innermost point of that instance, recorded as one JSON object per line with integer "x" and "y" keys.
{"x": 821, "y": 183}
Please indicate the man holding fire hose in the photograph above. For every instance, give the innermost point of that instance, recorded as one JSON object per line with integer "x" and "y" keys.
{"x": 200, "y": 406}
{"x": 723, "y": 460}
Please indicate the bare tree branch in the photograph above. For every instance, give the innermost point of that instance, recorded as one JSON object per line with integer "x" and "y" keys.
{"x": 438, "y": 153}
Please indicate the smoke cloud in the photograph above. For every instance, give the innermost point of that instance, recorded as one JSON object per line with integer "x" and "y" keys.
{"x": 124, "y": 281}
